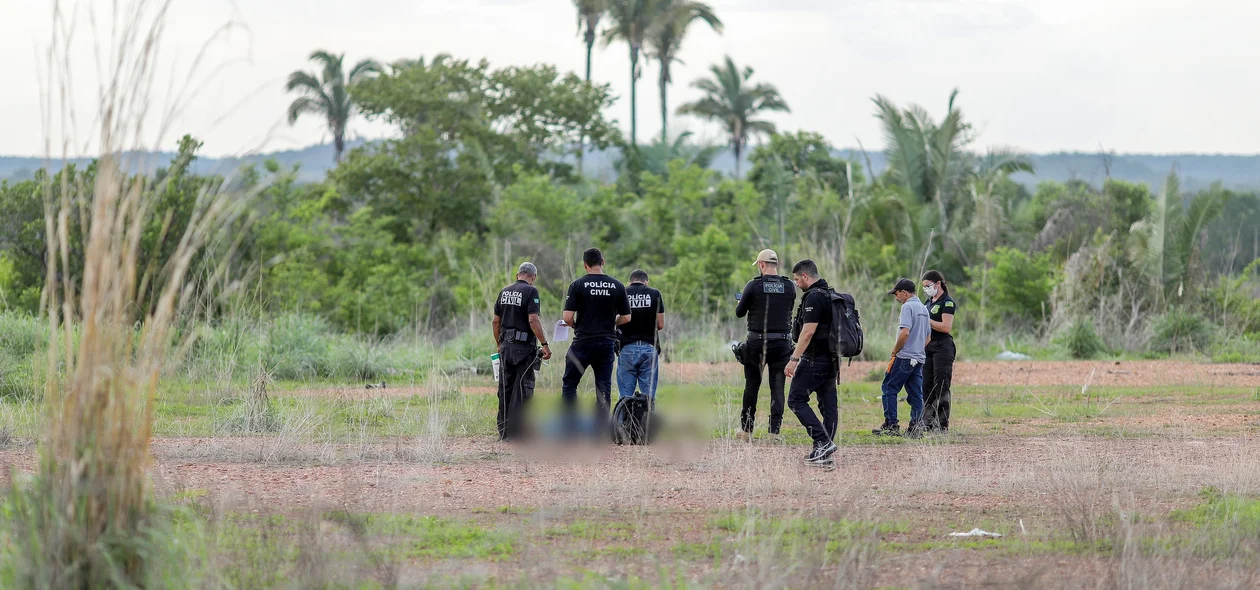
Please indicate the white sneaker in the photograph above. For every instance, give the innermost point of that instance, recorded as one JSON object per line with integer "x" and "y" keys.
{"x": 822, "y": 453}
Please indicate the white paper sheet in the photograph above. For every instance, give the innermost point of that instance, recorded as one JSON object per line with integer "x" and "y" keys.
{"x": 561, "y": 333}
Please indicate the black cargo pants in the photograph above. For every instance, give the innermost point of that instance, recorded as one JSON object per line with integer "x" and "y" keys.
{"x": 938, "y": 375}
{"x": 517, "y": 361}
{"x": 777, "y": 354}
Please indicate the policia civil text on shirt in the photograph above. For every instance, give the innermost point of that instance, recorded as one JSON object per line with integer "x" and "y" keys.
{"x": 594, "y": 306}
{"x": 813, "y": 366}
{"x": 639, "y": 361}
{"x": 767, "y": 301}
{"x": 517, "y": 334}
{"x": 906, "y": 367}
{"x": 938, "y": 369}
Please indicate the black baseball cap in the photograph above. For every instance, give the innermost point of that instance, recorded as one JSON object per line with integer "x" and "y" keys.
{"x": 906, "y": 285}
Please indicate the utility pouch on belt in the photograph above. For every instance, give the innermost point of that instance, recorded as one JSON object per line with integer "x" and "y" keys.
{"x": 740, "y": 350}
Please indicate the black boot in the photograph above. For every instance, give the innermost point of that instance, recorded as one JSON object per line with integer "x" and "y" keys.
{"x": 888, "y": 429}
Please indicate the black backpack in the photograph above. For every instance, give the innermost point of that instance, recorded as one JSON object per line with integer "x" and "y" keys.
{"x": 846, "y": 326}
{"x": 633, "y": 420}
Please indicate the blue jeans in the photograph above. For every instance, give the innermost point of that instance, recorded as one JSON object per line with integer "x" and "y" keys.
{"x": 638, "y": 365}
{"x": 598, "y": 355}
{"x": 903, "y": 375}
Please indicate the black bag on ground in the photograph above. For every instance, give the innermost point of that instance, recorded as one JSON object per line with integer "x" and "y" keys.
{"x": 633, "y": 420}
{"x": 846, "y": 326}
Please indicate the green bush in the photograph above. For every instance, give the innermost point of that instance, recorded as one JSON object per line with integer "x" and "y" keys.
{"x": 21, "y": 334}
{"x": 1081, "y": 341}
{"x": 1241, "y": 349}
{"x": 1178, "y": 331}
{"x": 1019, "y": 285}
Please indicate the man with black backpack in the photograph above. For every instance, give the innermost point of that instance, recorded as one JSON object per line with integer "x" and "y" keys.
{"x": 815, "y": 363}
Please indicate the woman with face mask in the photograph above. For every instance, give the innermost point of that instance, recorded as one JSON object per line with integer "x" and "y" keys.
{"x": 938, "y": 371}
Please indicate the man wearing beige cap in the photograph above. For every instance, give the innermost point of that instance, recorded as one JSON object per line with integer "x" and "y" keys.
{"x": 768, "y": 301}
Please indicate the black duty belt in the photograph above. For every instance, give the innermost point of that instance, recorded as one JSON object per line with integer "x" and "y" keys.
{"x": 769, "y": 336}
{"x": 519, "y": 336}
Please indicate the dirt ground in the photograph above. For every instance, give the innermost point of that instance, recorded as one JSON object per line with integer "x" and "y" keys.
{"x": 1021, "y": 473}
{"x": 992, "y": 373}
{"x": 1000, "y": 473}
{"x": 1032, "y": 373}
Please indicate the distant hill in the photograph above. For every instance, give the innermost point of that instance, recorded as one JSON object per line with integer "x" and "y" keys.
{"x": 313, "y": 162}
{"x": 1197, "y": 170}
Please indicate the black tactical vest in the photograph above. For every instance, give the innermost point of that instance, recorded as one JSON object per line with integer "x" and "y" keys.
{"x": 770, "y": 308}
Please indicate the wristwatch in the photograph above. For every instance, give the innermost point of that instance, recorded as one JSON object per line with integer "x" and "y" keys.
{"x": 544, "y": 344}
{"x": 795, "y": 359}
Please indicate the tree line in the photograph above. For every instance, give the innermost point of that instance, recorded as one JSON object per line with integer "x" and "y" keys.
{"x": 420, "y": 230}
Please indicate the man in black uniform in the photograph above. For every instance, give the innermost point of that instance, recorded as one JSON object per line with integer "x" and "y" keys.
{"x": 639, "y": 362}
{"x": 517, "y": 334}
{"x": 595, "y": 305}
{"x": 813, "y": 364}
{"x": 767, "y": 301}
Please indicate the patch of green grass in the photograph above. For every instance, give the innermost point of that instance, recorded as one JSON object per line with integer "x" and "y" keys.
{"x": 258, "y": 549}
{"x": 429, "y": 537}
{"x": 711, "y": 551}
{"x": 592, "y": 530}
{"x": 1222, "y": 510}
{"x": 804, "y": 529}
{"x": 596, "y": 581}
{"x": 611, "y": 551}
{"x": 1006, "y": 547}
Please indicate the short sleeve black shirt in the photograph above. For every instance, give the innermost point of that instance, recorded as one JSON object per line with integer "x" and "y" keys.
{"x": 645, "y": 303}
{"x": 815, "y": 307}
{"x": 768, "y": 302}
{"x": 938, "y": 309}
{"x": 516, "y": 302}
{"x": 597, "y": 301}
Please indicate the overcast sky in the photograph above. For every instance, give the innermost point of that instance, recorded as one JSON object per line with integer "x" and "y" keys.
{"x": 1043, "y": 75}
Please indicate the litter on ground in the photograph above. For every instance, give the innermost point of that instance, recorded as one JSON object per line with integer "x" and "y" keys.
{"x": 976, "y": 533}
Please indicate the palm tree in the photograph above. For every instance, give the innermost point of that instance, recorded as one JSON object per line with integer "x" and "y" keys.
{"x": 991, "y": 210}
{"x": 589, "y": 14}
{"x": 665, "y": 42}
{"x": 731, "y": 100}
{"x": 657, "y": 157}
{"x": 631, "y": 22}
{"x": 927, "y": 158}
{"x": 328, "y": 94}
{"x": 1169, "y": 242}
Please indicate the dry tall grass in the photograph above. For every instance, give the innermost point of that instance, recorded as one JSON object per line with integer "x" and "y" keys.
{"x": 87, "y": 520}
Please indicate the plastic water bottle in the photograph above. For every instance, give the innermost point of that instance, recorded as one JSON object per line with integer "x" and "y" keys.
{"x": 494, "y": 363}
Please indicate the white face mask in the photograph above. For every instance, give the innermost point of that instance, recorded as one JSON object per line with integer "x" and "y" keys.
{"x": 930, "y": 290}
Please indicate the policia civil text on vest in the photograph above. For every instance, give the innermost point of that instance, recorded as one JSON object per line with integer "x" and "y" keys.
{"x": 518, "y": 334}
{"x": 767, "y": 302}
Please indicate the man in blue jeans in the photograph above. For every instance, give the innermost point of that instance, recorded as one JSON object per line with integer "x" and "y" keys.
{"x": 906, "y": 368}
{"x": 594, "y": 306}
{"x": 639, "y": 363}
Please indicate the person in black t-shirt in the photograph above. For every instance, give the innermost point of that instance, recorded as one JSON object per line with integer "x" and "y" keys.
{"x": 639, "y": 362}
{"x": 517, "y": 334}
{"x": 767, "y": 301}
{"x": 938, "y": 370}
{"x": 813, "y": 365}
{"x": 595, "y": 305}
